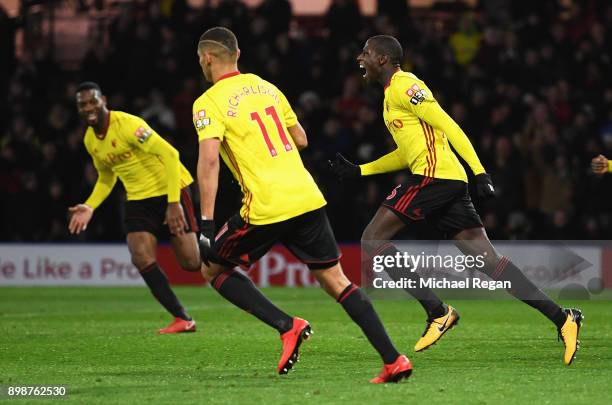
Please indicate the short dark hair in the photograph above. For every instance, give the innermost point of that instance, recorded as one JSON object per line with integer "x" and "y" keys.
{"x": 88, "y": 86}
{"x": 388, "y": 46}
{"x": 222, "y": 38}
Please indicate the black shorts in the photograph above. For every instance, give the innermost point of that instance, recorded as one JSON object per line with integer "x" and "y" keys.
{"x": 308, "y": 236}
{"x": 148, "y": 215}
{"x": 444, "y": 203}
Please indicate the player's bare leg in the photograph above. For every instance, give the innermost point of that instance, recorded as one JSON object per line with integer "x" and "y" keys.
{"x": 376, "y": 241}
{"x": 358, "y": 306}
{"x": 187, "y": 252}
{"x": 240, "y": 291}
{"x": 475, "y": 242}
{"x": 143, "y": 248}
{"x": 383, "y": 227}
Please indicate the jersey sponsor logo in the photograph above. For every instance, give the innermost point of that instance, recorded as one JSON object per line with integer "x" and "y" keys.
{"x": 416, "y": 94}
{"x": 112, "y": 159}
{"x": 200, "y": 120}
{"x": 143, "y": 134}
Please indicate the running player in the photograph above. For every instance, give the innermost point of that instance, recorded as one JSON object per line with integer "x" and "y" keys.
{"x": 158, "y": 199}
{"x": 250, "y": 123}
{"x": 436, "y": 191}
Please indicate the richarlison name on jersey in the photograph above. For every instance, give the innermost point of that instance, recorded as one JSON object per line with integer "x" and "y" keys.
{"x": 234, "y": 100}
{"x": 432, "y": 282}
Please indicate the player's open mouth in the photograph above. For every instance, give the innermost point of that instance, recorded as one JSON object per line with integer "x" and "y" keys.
{"x": 363, "y": 69}
{"x": 93, "y": 117}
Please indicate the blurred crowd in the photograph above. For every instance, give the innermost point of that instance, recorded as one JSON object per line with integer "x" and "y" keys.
{"x": 529, "y": 82}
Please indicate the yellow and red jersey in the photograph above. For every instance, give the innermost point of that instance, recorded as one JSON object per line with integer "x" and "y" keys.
{"x": 422, "y": 131}
{"x": 250, "y": 117}
{"x": 131, "y": 150}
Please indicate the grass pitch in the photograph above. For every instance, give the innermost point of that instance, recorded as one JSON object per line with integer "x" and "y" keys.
{"x": 101, "y": 343}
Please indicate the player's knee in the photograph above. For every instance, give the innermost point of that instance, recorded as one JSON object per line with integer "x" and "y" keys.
{"x": 211, "y": 271}
{"x": 142, "y": 261}
{"x": 142, "y": 250}
{"x": 368, "y": 238}
{"x": 472, "y": 234}
{"x": 332, "y": 280}
{"x": 207, "y": 273}
{"x": 371, "y": 239}
{"x": 369, "y": 234}
{"x": 191, "y": 264}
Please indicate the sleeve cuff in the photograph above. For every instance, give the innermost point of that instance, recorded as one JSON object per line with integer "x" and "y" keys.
{"x": 91, "y": 204}
{"x": 365, "y": 170}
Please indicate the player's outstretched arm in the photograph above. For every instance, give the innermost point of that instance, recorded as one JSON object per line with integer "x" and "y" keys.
{"x": 601, "y": 165}
{"x": 208, "y": 182}
{"x": 390, "y": 162}
{"x": 81, "y": 214}
{"x": 343, "y": 169}
{"x": 298, "y": 135}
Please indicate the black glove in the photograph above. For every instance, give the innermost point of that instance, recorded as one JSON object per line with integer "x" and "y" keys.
{"x": 484, "y": 186}
{"x": 207, "y": 240}
{"x": 343, "y": 169}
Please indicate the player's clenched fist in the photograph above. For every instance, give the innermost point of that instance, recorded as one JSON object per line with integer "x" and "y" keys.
{"x": 343, "y": 169}
{"x": 175, "y": 219}
{"x": 599, "y": 164}
{"x": 484, "y": 186}
{"x": 80, "y": 215}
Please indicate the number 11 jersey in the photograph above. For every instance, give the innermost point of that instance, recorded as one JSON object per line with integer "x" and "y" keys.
{"x": 250, "y": 117}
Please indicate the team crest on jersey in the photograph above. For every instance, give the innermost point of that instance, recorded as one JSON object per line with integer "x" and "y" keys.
{"x": 200, "y": 120}
{"x": 416, "y": 94}
{"x": 143, "y": 134}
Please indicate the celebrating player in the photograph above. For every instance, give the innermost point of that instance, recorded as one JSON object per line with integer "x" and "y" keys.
{"x": 601, "y": 165}
{"x": 251, "y": 124}
{"x": 437, "y": 191}
{"x": 158, "y": 199}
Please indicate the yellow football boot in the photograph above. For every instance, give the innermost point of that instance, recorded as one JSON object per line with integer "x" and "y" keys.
{"x": 569, "y": 334}
{"x": 436, "y": 327}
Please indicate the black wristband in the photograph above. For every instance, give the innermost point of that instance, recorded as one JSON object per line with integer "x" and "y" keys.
{"x": 207, "y": 227}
